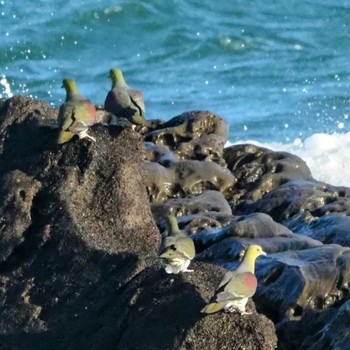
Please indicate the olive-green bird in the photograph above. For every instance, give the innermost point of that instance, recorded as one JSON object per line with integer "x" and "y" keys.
{"x": 237, "y": 286}
{"x": 76, "y": 114}
{"x": 177, "y": 249}
{"x": 123, "y": 101}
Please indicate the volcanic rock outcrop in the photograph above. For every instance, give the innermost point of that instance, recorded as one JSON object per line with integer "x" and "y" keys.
{"x": 81, "y": 224}
{"x": 79, "y": 245}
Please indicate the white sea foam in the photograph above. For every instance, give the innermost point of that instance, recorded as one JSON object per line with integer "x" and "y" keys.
{"x": 327, "y": 155}
{"x": 7, "y": 93}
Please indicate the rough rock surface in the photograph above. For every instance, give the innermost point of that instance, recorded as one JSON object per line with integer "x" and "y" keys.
{"x": 186, "y": 177}
{"x": 328, "y": 329}
{"x": 256, "y": 228}
{"x": 260, "y": 170}
{"x": 331, "y": 229}
{"x": 206, "y": 202}
{"x": 181, "y": 297}
{"x": 78, "y": 257}
{"x": 290, "y": 287}
{"x": 309, "y": 280}
{"x": 78, "y": 241}
{"x": 276, "y": 203}
{"x": 199, "y": 135}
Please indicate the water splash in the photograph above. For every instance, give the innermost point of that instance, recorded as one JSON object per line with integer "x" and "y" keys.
{"x": 6, "y": 88}
{"x": 327, "y": 155}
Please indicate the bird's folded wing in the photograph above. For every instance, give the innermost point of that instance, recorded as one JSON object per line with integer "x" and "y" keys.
{"x": 242, "y": 284}
{"x": 186, "y": 246}
{"x": 225, "y": 296}
{"x": 121, "y": 96}
{"x": 226, "y": 278}
{"x": 137, "y": 100}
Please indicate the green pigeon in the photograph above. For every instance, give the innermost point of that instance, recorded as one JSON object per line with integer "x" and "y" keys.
{"x": 177, "y": 249}
{"x": 237, "y": 286}
{"x": 76, "y": 114}
{"x": 123, "y": 101}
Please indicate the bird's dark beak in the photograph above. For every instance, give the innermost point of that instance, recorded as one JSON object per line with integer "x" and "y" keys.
{"x": 62, "y": 86}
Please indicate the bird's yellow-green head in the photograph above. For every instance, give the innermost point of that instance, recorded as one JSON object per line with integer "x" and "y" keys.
{"x": 70, "y": 87}
{"x": 253, "y": 251}
{"x": 251, "y": 254}
{"x": 116, "y": 75}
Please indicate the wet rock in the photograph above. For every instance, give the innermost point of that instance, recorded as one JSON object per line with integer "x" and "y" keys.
{"x": 294, "y": 282}
{"x": 79, "y": 266}
{"x": 328, "y": 329}
{"x": 194, "y": 213}
{"x": 256, "y": 228}
{"x": 187, "y": 177}
{"x": 201, "y": 222}
{"x": 228, "y": 249}
{"x": 199, "y": 135}
{"x": 160, "y": 154}
{"x": 249, "y": 163}
{"x": 331, "y": 229}
{"x": 257, "y": 225}
{"x": 259, "y": 170}
{"x": 206, "y": 202}
{"x": 311, "y": 198}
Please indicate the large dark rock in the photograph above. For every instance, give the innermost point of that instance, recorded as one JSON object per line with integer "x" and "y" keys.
{"x": 78, "y": 241}
{"x": 22, "y": 141}
{"x": 78, "y": 257}
{"x": 76, "y": 228}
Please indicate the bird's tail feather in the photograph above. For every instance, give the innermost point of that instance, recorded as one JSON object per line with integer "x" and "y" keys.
{"x": 212, "y": 308}
{"x": 65, "y": 136}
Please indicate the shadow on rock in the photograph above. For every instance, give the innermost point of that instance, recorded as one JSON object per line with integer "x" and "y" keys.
{"x": 70, "y": 300}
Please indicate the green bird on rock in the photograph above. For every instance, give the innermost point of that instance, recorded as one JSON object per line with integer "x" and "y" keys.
{"x": 177, "y": 249}
{"x": 123, "y": 101}
{"x": 237, "y": 286}
{"x": 76, "y": 114}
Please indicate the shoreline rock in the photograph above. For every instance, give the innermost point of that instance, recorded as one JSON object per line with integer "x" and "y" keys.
{"x": 79, "y": 247}
{"x": 80, "y": 228}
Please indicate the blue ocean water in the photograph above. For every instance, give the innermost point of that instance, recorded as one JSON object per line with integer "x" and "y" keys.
{"x": 278, "y": 72}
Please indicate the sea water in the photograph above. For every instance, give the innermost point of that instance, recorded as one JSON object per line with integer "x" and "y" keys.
{"x": 277, "y": 71}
